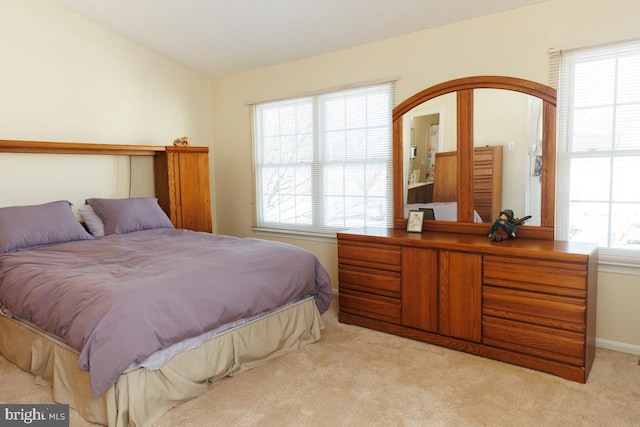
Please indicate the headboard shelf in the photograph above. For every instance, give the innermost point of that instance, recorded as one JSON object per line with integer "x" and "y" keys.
{"x": 180, "y": 174}
{"x": 10, "y": 146}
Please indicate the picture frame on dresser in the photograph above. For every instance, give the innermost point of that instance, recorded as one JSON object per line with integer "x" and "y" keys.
{"x": 414, "y": 224}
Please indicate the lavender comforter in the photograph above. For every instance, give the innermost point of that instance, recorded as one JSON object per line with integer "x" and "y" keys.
{"x": 120, "y": 298}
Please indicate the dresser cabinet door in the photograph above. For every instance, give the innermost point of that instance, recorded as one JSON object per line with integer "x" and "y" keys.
{"x": 420, "y": 289}
{"x": 442, "y": 291}
{"x": 460, "y": 295}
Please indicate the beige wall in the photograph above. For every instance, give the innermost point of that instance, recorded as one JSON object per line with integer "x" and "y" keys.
{"x": 513, "y": 43}
{"x": 64, "y": 78}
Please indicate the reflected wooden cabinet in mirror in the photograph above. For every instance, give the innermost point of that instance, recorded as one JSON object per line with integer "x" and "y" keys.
{"x": 487, "y": 181}
{"x": 528, "y": 300}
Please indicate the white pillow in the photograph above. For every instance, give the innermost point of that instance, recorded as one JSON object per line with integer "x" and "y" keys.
{"x": 92, "y": 221}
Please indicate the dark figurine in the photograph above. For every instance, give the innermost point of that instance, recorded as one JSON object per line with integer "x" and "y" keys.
{"x": 505, "y": 226}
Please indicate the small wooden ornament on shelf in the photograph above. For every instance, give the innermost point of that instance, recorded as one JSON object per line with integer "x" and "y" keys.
{"x": 182, "y": 142}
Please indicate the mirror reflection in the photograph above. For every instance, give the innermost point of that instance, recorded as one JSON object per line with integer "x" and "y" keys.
{"x": 430, "y": 137}
{"x": 495, "y": 150}
{"x": 513, "y": 121}
{"x": 507, "y": 139}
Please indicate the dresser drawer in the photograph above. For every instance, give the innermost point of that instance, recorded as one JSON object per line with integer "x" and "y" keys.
{"x": 372, "y": 280}
{"x": 531, "y": 307}
{"x": 486, "y": 156}
{"x": 552, "y": 277}
{"x": 385, "y": 257}
{"x": 534, "y": 340}
{"x": 368, "y": 305}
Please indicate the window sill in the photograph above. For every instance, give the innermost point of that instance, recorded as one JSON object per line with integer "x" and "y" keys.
{"x": 620, "y": 262}
{"x": 296, "y": 234}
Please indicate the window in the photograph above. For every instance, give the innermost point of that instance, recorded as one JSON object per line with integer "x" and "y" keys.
{"x": 323, "y": 163}
{"x": 599, "y": 149}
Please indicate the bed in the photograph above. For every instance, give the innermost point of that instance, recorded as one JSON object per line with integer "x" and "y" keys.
{"x": 131, "y": 317}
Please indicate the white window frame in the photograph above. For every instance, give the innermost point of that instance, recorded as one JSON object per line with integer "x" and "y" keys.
{"x": 617, "y": 260}
{"x": 317, "y": 229}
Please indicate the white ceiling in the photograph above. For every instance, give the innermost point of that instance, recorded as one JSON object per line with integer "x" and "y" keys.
{"x": 223, "y": 37}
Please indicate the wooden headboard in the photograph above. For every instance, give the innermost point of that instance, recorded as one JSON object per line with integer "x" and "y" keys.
{"x": 41, "y": 171}
{"x": 180, "y": 174}
{"x": 487, "y": 180}
{"x": 9, "y": 146}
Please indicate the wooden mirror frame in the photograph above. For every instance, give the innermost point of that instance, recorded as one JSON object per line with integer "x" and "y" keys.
{"x": 464, "y": 89}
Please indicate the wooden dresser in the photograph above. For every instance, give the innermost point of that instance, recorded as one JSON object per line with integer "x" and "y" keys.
{"x": 523, "y": 301}
{"x": 182, "y": 186}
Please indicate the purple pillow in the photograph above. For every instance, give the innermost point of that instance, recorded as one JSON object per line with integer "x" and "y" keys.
{"x": 23, "y": 227}
{"x": 122, "y": 216}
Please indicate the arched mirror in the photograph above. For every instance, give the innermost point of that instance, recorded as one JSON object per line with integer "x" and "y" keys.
{"x": 471, "y": 147}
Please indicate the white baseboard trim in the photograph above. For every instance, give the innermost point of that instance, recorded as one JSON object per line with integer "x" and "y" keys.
{"x": 618, "y": 346}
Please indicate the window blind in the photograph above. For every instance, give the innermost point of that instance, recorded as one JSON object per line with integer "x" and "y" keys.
{"x": 323, "y": 163}
{"x": 599, "y": 149}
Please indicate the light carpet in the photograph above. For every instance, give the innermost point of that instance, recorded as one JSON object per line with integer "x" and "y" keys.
{"x": 358, "y": 377}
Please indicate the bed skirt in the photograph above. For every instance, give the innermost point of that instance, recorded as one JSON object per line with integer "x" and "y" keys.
{"x": 141, "y": 397}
